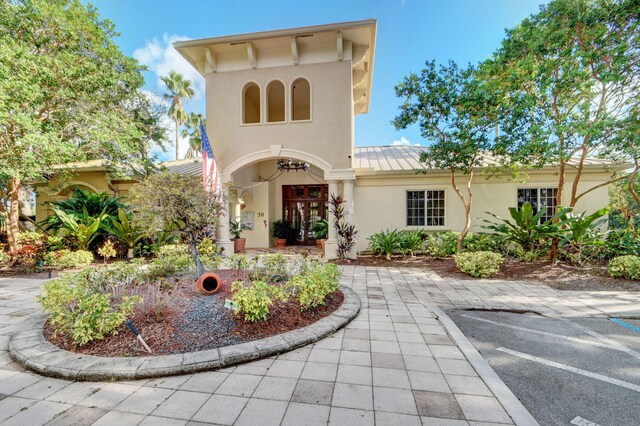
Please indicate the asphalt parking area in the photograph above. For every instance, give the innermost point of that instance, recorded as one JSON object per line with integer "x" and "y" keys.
{"x": 581, "y": 371}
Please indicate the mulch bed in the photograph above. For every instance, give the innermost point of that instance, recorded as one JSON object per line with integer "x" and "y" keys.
{"x": 560, "y": 276}
{"x": 193, "y": 321}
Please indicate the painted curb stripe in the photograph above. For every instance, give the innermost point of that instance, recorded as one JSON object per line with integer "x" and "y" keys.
{"x": 571, "y": 369}
{"x": 579, "y": 421}
{"x": 624, "y": 324}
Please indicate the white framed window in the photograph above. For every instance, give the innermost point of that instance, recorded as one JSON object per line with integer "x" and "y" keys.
{"x": 540, "y": 199}
{"x": 426, "y": 208}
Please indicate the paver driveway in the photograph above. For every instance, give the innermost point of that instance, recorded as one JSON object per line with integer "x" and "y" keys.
{"x": 394, "y": 364}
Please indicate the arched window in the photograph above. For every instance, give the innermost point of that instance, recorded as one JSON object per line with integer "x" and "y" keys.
{"x": 275, "y": 102}
{"x": 251, "y": 104}
{"x": 300, "y": 100}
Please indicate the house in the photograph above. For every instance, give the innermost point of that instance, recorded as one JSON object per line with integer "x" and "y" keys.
{"x": 280, "y": 109}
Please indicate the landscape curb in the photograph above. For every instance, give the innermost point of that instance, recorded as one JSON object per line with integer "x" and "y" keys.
{"x": 29, "y": 348}
{"x": 518, "y": 412}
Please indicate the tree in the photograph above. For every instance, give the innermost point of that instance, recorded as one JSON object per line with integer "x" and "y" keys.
{"x": 194, "y": 133}
{"x": 64, "y": 89}
{"x": 148, "y": 114}
{"x": 167, "y": 202}
{"x": 456, "y": 111}
{"x": 568, "y": 78}
{"x": 179, "y": 88}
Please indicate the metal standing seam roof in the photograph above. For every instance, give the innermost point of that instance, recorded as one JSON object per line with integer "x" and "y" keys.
{"x": 393, "y": 158}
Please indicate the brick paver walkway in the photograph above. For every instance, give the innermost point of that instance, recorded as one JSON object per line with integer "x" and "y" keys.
{"x": 394, "y": 364}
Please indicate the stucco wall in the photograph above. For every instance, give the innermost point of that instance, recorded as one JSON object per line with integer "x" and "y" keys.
{"x": 328, "y": 135}
{"x": 380, "y": 202}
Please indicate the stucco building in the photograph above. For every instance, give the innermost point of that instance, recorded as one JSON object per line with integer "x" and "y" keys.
{"x": 280, "y": 109}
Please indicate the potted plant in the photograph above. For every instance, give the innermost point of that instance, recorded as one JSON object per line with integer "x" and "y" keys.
{"x": 236, "y": 228}
{"x": 320, "y": 231}
{"x": 281, "y": 232}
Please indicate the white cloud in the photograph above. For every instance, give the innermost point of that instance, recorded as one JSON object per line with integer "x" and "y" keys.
{"x": 161, "y": 57}
{"x": 403, "y": 142}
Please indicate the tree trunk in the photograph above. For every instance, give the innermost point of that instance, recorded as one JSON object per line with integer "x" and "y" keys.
{"x": 13, "y": 216}
{"x": 554, "y": 253}
{"x": 177, "y": 150}
{"x": 466, "y": 204}
{"x": 196, "y": 256}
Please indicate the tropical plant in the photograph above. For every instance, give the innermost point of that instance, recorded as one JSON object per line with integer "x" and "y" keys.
{"x": 527, "y": 229}
{"x": 107, "y": 250}
{"x": 412, "y": 241}
{"x": 345, "y": 231}
{"x": 179, "y": 89}
{"x": 81, "y": 201}
{"x": 176, "y": 203}
{"x": 193, "y": 132}
{"x": 255, "y": 299}
{"x": 441, "y": 244}
{"x": 84, "y": 228}
{"x": 387, "y": 242}
{"x": 621, "y": 242}
{"x": 283, "y": 230}
{"x": 123, "y": 230}
{"x": 66, "y": 89}
{"x": 314, "y": 285}
{"x": 478, "y": 264}
{"x": 320, "y": 229}
{"x": 583, "y": 238}
{"x": 236, "y": 227}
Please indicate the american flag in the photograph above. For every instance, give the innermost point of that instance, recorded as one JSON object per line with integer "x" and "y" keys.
{"x": 210, "y": 175}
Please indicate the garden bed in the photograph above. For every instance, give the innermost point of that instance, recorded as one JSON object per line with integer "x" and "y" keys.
{"x": 561, "y": 276}
{"x": 192, "y": 321}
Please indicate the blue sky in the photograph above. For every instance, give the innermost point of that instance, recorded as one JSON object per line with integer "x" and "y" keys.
{"x": 409, "y": 33}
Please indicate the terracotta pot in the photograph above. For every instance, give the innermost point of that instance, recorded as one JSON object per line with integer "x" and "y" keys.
{"x": 238, "y": 245}
{"x": 322, "y": 244}
{"x": 209, "y": 283}
{"x": 319, "y": 243}
{"x": 281, "y": 242}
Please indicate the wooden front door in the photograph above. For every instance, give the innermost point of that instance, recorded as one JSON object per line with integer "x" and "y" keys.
{"x": 302, "y": 206}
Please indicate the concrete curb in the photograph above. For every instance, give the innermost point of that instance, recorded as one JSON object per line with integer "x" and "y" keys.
{"x": 30, "y": 348}
{"x": 519, "y": 414}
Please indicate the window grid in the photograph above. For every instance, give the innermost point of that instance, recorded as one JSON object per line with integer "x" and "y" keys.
{"x": 540, "y": 198}
{"x": 425, "y": 208}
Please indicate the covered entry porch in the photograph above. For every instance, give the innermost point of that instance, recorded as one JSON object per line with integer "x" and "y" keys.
{"x": 260, "y": 191}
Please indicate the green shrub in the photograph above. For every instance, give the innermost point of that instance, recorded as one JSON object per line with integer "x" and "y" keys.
{"x": 625, "y": 267}
{"x": 481, "y": 242}
{"x": 176, "y": 256}
{"x": 315, "y": 284}
{"x": 442, "y": 244}
{"x": 77, "y": 309}
{"x": 4, "y": 258}
{"x": 275, "y": 266}
{"x": 62, "y": 259}
{"x": 255, "y": 300}
{"x": 479, "y": 264}
{"x": 622, "y": 242}
{"x": 387, "y": 243}
{"x": 412, "y": 241}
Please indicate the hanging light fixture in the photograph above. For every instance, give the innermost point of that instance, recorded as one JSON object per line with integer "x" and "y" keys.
{"x": 288, "y": 165}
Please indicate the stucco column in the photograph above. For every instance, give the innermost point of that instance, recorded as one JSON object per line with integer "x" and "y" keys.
{"x": 347, "y": 195}
{"x": 331, "y": 245}
{"x": 222, "y": 233}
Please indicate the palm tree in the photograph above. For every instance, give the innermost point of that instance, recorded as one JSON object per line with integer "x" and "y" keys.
{"x": 179, "y": 89}
{"x": 192, "y": 131}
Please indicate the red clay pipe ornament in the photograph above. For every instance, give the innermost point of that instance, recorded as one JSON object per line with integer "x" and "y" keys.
{"x": 209, "y": 283}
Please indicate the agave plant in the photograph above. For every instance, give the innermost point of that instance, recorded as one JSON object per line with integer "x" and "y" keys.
{"x": 123, "y": 230}
{"x": 527, "y": 229}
